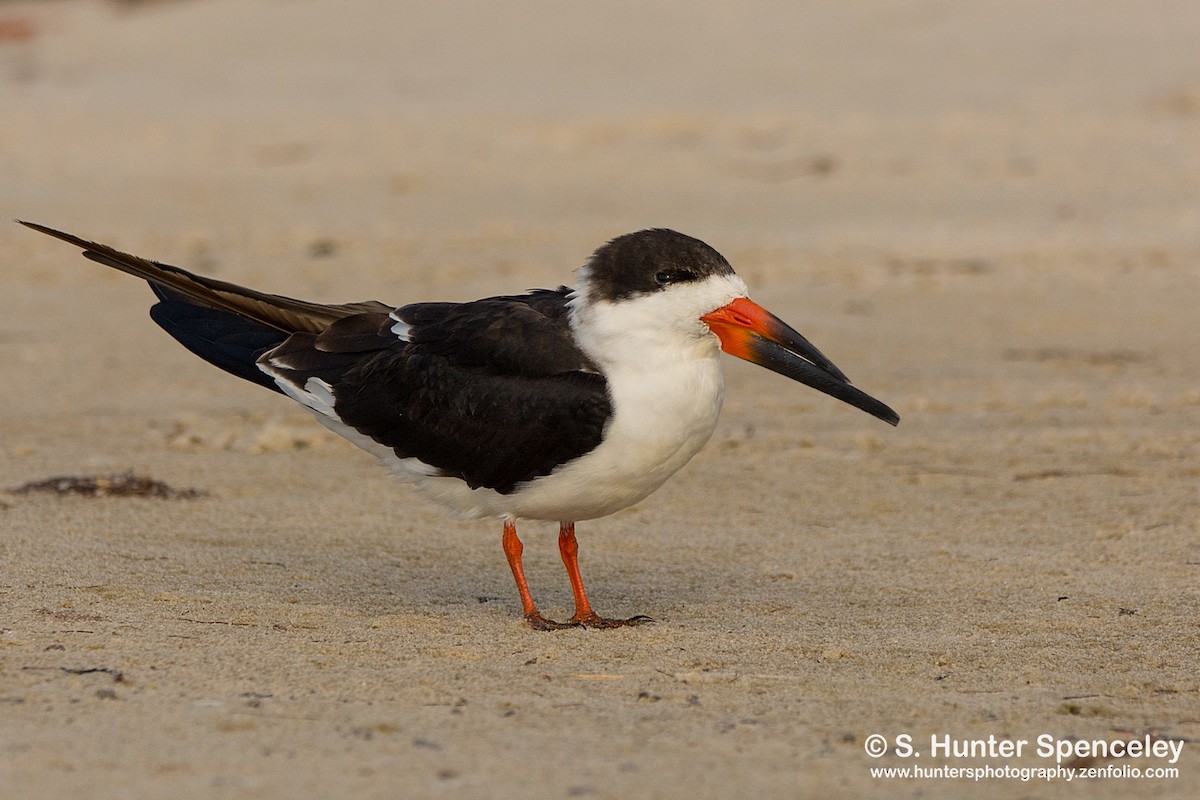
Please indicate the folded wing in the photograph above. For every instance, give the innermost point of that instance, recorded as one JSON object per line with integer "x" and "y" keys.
{"x": 494, "y": 392}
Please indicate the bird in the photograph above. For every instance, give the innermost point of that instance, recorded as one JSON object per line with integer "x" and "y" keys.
{"x": 562, "y": 405}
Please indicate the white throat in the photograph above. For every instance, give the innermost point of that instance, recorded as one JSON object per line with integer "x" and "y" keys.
{"x": 650, "y": 332}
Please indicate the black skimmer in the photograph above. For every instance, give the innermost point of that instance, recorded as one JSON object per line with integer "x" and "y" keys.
{"x": 559, "y": 404}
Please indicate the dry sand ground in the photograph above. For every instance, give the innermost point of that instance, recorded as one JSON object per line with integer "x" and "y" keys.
{"x": 988, "y": 213}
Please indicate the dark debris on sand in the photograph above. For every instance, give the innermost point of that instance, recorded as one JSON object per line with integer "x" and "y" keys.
{"x": 122, "y": 485}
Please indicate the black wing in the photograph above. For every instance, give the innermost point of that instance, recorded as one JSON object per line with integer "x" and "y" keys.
{"x": 494, "y": 392}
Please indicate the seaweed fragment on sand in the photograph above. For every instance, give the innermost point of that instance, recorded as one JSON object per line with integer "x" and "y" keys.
{"x": 125, "y": 484}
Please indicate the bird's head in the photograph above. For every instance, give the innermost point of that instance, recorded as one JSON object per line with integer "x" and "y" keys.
{"x": 658, "y": 292}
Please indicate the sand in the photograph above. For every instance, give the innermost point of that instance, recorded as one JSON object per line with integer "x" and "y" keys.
{"x": 987, "y": 213}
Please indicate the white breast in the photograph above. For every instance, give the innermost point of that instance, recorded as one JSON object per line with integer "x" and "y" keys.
{"x": 659, "y": 422}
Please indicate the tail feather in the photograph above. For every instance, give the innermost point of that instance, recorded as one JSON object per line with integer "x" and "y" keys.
{"x": 228, "y": 326}
{"x": 284, "y": 314}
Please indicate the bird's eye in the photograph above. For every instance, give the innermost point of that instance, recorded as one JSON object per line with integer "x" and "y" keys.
{"x": 669, "y": 276}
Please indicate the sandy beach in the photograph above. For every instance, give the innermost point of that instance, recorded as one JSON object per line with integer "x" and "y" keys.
{"x": 986, "y": 213}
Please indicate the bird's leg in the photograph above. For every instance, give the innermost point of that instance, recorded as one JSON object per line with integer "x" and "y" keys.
{"x": 512, "y": 550}
{"x": 584, "y": 615}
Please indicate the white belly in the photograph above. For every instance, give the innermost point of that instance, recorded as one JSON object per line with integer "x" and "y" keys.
{"x": 659, "y": 423}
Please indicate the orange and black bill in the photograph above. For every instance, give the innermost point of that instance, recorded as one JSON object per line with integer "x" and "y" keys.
{"x": 749, "y": 331}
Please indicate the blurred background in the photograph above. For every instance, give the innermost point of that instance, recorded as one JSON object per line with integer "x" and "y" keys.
{"x": 986, "y": 211}
{"x": 947, "y": 129}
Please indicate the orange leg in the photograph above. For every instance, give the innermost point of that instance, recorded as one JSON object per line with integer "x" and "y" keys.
{"x": 568, "y": 547}
{"x": 584, "y": 615}
{"x": 512, "y": 551}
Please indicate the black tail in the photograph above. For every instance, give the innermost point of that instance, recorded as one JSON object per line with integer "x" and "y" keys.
{"x": 227, "y": 325}
{"x": 224, "y": 340}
